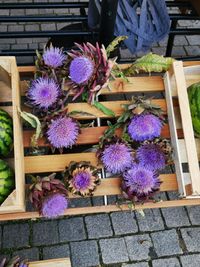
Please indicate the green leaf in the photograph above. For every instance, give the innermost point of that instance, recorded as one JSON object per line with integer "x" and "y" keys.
{"x": 104, "y": 109}
{"x": 35, "y": 123}
{"x": 84, "y": 96}
{"x": 111, "y": 47}
{"x": 80, "y": 113}
{"x": 150, "y": 63}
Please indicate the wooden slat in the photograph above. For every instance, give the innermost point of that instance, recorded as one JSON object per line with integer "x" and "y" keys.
{"x": 111, "y": 186}
{"x": 65, "y": 262}
{"x": 108, "y": 208}
{"x": 187, "y": 127}
{"x": 55, "y": 163}
{"x": 91, "y": 135}
{"x": 135, "y": 84}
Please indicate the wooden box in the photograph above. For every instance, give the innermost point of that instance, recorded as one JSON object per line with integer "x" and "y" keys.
{"x": 10, "y": 96}
{"x": 158, "y": 85}
{"x": 187, "y": 148}
{"x": 65, "y": 262}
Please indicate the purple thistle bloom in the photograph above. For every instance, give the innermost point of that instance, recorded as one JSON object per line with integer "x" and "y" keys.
{"x": 81, "y": 180}
{"x": 81, "y": 70}
{"x": 43, "y": 92}
{"x": 144, "y": 127}
{"x": 54, "y": 205}
{"x": 151, "y": 156}
{"x": 117, "y": 157}
{"x": 23, "y": 265}
{"x": 140, "y": 181}
{"x": 54, "y": 57}
{"x": 63, "y": 132}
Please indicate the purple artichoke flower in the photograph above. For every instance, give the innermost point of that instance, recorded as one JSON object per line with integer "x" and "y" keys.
{"x": 139, "y": 182}
{"x": 54, "y": 57}
{"x": 81, "y": 70}
{"x": 81, "y": 178}
{"x": 54, "y": 205}
{"x": 151, "y": 156}
{"x": 63, "y": 132}
{"x": 144, "y": 127}
{"x": 116, "y": 157}
{"x": 43, "y": 92}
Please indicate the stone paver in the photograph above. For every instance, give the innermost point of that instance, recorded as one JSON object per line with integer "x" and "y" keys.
{"x": 139, "y": 264}
{"x": 175, "y": 217}
{"x": 61, "y": 251}
{"x": 190, "y": 260}
{"x": 191, "y": 237}
{"x": 171, "y": 262}
{"x": 166, "y": 243}
{"x": 138, "y": 247}
{"x": 30, "y": 253}
{"x": 98, "y": 226}
{"x": 194, "y": 214}
{"x": 45, "y": 233}
{"x": 16, "y": 235}
{"x": 84, "y": 254}
{"x": 71, "y": 229}
{"x": 113, "y": 250}
{"x": 151, "y": 221}
{"x": 124, "y": 223}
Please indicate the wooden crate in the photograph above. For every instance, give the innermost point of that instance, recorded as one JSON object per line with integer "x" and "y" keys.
{"x": 65, "y": 262}
{"x": 187, "y": 147}
{"x": 109, "y": 186}
{"x": 9, "y": 92}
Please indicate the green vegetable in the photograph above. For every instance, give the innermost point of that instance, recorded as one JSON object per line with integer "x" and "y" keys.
{"x": 7, "y": 182}
{"x": 194, "y": 100}
{"x": 6, "y": 133}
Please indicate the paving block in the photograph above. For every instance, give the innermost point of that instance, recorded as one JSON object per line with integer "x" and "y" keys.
{"x": 124, "y": 222}
{"x": 98, "y": 226}
{"x": 31, "y": 254}
{"x": 139, "y": 264}
{"x": 193, "y": 39}
{"x": 48, "y": 27}
{"x": 151, "y": 221}
{"x": 61, "y": 251}
{"x": 166, "y": 243}
{"x": 180, "y": 40}
{"x": 45, "y": 233}
{"x": 84, "y": 254}
{"x": 71, "y": 229}
{"x": 113, "y": 250}
{"x": 194, "y": 214}
{"x": 16, "y": 235}
{"x": 190, "y": 260}
{"x": 178, "y": 51}
{"x": 171, "y": 262}
{"x": 192, "y": 50}
{"x": 191, "y": 237}
{"x": 175, "y": 217}
{"x": 138, "y": 247}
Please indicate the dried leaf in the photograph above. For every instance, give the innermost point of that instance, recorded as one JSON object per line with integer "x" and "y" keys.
{"x": 111, "y": 47}
{"x": 149, "y": 63}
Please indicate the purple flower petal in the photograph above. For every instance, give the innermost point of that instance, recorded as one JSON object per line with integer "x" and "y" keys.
{"x": 63, "y": 132}
{"x": 54, "y": 57}
{"x": 144, "y": 127}
{"x": 43, "y": 92}
{"x": 54, "y": 205}
{"x": 81, "y": 70}
{"x": 140, "y": 181}
{"x": 117, "y": 157}
{"x": 152, "y": 156}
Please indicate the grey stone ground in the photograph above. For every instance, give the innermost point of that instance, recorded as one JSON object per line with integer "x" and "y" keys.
{"x": 162, "y": 238}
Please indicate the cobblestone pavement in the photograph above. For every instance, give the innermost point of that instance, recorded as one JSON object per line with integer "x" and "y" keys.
{"x": 166, "y": 237}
